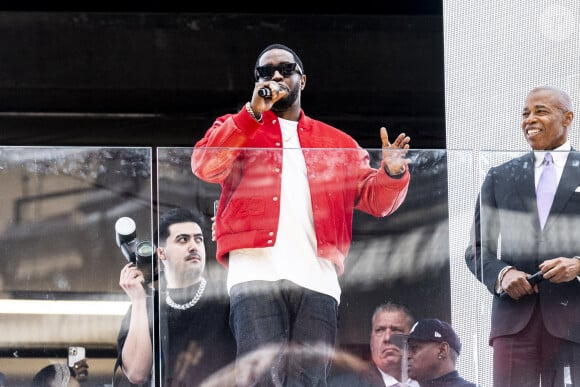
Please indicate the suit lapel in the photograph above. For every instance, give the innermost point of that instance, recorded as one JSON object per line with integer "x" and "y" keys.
{"x": 525, "y": 185}
{"x": 569, "y": 181}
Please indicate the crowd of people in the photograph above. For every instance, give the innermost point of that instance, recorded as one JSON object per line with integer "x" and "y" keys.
{"x": 283, "y": 235}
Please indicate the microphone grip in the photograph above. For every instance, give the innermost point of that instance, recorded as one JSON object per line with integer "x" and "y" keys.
{"x": 265, "y": 92}
{"x": 533, "y": 279}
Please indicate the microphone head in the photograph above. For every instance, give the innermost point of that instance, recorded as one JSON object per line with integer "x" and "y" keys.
{"x": 265, "y": 92}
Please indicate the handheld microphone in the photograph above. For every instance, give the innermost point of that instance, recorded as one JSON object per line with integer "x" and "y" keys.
{"x": 265, "y": 92}
{"x": 533, "y": 279}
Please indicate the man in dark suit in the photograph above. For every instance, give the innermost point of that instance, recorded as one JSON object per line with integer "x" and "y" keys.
{"x": 535, "y": 329}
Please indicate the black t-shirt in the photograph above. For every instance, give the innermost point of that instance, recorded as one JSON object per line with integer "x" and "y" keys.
{"x": 451, "y": 379}
{"x": 195, "y": 342}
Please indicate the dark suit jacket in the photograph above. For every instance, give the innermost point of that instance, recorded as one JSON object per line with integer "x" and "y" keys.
{"x": 507, "y": 208}
{"x": 344, "y": 377}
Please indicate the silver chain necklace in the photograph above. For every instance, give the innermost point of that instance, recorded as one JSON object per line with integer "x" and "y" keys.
{"x": 191, "y": 303}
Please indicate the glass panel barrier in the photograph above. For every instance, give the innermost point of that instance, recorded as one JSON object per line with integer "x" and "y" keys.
{"x": 486, "y": 243}
{"x": 402, "y": 258}
{"x": 60, "y": 244}
{"x": 510, "y": 233}
{"x": 61, "y": 259}
{"x": 465, "y": 291}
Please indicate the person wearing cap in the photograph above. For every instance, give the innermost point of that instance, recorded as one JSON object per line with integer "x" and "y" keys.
{"x": 289, "y": 187}
{"x": 433, "y": 350}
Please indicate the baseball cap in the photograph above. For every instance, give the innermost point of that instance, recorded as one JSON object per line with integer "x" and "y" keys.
{"x": 435, "y": 330}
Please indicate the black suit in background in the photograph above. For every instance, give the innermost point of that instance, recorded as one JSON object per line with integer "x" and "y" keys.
{"x": 507, "y": 208}
{"x": 341, "y": 376}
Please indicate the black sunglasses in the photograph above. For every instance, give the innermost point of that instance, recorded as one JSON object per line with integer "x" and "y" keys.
{"x": 286, "y": 69}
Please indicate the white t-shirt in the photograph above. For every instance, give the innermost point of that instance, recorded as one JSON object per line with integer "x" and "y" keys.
{"x": 293, "y": 257}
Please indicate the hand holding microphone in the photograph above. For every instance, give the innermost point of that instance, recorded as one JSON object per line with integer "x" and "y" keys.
{"x": 267, "y": 92}
{"x": 533, "y": 279}
{"x": 264, "y": 97}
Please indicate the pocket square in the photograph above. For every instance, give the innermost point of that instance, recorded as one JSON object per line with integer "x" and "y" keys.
{"x": 577, "y": 189}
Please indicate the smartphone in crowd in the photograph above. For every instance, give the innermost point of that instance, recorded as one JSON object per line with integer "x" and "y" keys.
{"x": 75, "y": 354}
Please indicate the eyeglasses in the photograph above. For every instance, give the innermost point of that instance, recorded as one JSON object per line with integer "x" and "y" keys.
{"x": 286, "y": 69}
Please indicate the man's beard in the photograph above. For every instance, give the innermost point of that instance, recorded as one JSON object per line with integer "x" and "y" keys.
{"x": 286, "y": 102}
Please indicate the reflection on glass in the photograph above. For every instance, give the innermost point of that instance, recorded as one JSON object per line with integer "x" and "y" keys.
{"x": 60, "y": 263}
{"x": 58, "y": 239}
{"x": 404, "y": 256}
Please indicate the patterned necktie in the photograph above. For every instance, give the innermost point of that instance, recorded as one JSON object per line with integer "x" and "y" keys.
{"x": 546, "y": 189}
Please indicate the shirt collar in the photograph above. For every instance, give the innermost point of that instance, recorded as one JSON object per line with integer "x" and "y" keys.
{"x": 559, "y": 155}
{"x": 390, "y": 381}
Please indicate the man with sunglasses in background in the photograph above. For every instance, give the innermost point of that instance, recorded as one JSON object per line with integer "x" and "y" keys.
{"x": 284, "y": 220}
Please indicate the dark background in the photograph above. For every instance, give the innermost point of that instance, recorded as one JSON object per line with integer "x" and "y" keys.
{"x": 157, "y": 74}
